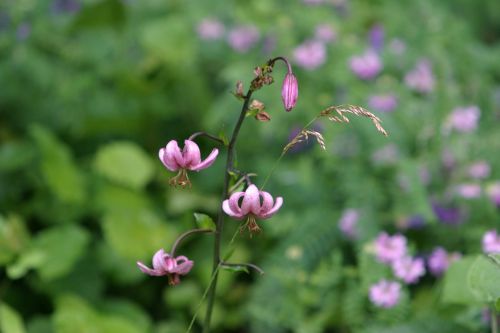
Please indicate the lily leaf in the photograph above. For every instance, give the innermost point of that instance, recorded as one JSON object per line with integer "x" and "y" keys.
{"x": 204, "y": 221}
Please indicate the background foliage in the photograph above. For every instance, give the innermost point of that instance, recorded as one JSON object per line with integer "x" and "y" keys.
{"x": 90, "y": 90}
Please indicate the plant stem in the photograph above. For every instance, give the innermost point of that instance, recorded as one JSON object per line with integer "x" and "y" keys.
{"x": 212, "y": 137}
{"x": 184, "y": 235}
{"x": 494, "y": 320}
{"x": 220, "y": 217}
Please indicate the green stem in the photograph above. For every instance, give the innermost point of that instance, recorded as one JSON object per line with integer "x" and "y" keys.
{"x": 494, "y": 320}
{"x": 184, "y": 236}
{"x": 220, "y": 217}
{"x": 283, "y": 153}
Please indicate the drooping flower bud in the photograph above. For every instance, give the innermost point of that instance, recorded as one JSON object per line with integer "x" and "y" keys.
{"x": 289, "y": 91}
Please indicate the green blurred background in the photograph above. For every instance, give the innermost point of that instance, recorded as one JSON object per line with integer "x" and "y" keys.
{"x": 91, "y": 89}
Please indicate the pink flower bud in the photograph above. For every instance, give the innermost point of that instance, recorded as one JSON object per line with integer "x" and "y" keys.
{"x": 289, "y": 91}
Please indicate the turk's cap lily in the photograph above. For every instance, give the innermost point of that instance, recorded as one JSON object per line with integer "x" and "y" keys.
{"x": 188, "y": 159}
{"x": 165, "y": 264}
{"x": 254, "y": 205}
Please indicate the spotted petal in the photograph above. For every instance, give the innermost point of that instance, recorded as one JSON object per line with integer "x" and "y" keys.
{"x": 267, "y": 202}
{"x": 168, "y": 163}
{"x": 226, "y": 207}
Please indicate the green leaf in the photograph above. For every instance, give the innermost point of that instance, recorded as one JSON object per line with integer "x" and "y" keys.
{"x": 136, "y": 235}
{"x": 455, "y": 283}
{"x": 159, "y": 35}
{"x": 13, "y": 237}
{"x": 15, "y": 155}
{"x": 235, "y": 268}
{"x": 224, "y": 138}
{"x": 497, "y": 304}
{"x": 125, "y": 163}
{"x": 52, "y": 253}
{"x": 484, "y": 279}
{"x": 75, "y": 315}
{"x": 101, "y": 14}
{"x": 10, "y": 320}
{"x": 58, "y": 167}
{"x": 204, "y": 221}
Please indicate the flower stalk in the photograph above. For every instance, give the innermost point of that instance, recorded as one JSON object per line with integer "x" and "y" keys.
{"x": 220, "y": 216}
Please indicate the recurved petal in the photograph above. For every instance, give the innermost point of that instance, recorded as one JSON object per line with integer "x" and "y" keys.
{"x": 227, "y": 209}
{"x": 159, "y": 260}
{"x": 148, "y": 270}
{"x": 207, "y": 162}
{"x": 168, "y": 163}
{"x": 272, "y": 211}
{"x": 251, "y": 201}
{"x": 184, "y": 265}
{"x": 267, "y": 202}
{"x": 173, "y": 154}
{"x": 234, "y": 201}
{"x": 191, "y": 154}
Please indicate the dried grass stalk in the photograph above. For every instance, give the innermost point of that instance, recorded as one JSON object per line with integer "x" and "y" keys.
{"x": 339, "y": 117}
{"x": 304, "y": 135}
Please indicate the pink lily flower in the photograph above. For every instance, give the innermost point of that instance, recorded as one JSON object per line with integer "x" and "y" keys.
{"x": 188, "y": 159}
{"x": 251, "y": 207}
{"x": 164, "y": 264}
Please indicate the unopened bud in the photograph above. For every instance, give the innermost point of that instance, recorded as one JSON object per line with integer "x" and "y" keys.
{"x": 289, "y": 91}
{"x": 263, "y": 116}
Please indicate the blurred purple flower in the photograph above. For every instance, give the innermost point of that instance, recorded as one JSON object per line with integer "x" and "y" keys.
{"x": 389, "y": 248}
{"x": 448, "y": 159}
{"x": 469, "y": 190}
{"x": 23, "y": 31}
{"x": 439, "y": 260}
{"x": 243, "y": 38}
{"x": 464, "y": 119}
{"x": 210, "y": 29}
{"x": 325, "y": 33}
{"x": 425, "y": 175}
{"x": 376, "y": 37}
{"x": 385, "y": 293}
{"x": 348, "y": 221}
{"x": 412, "y": 222}
{"x": 491, "y": 242}
{"x": 66, "y": 6}
{"x": 479, "y": 170}
{"x": 310, "y": 55}
{"x": 493, "y": 191}
{"x": 383, "y": 103}
{"x": 164, "y": 264}
{"x": 397, "y": 46}
{"x": 409, "y": 269}
{"x": 421, "y": 78}
{"x": 251, "y": 204}
{"x": 269, "y": 44}
{"x": 389, "y": 154}
{"x": 366, "y": 66}
{"x": 313, "y": 2}
{"x": 447, "y": 215}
